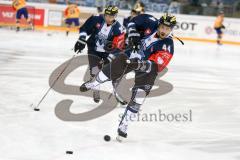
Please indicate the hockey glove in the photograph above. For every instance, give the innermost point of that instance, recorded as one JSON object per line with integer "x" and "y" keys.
{"x": 141, "y": 65}
{"x": 134, "y": 40}
{"x": 80, "y": 45}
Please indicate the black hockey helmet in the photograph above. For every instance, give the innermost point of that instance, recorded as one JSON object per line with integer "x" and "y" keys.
{"x": 111, "y": 10}
{"x": 168, "y": 20}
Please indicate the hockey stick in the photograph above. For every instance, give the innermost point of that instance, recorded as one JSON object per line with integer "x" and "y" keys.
{"x": 36, "y": 108}
{"x": 178, "y": 39}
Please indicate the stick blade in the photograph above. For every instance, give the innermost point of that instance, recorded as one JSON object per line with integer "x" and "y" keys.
{"x": 35, "y": 108}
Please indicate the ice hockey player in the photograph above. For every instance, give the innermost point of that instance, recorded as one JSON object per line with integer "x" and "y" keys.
{"x": 71, "y": 15}
{"x": 152, "y": 49}
{"x": 134, "y": 12}
{"x": 102, "y": 29}
{"x": 20, "y": 7}
{"x": 218, "y": 26}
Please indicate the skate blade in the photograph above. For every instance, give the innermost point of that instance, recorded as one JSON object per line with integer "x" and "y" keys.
{"x": 34, "y": 107}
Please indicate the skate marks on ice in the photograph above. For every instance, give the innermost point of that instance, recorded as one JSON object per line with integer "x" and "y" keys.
{"x": 7, "y": 56}
{"x": 62, "y": 109}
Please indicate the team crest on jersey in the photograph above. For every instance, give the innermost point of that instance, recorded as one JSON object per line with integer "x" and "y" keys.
{"x": 98, "y": 25}
{"x": 147, "y": 32}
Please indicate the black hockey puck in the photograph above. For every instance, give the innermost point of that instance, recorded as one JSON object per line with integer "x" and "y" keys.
{"x": 36, "y": 109}
{"x": 107, "y": 138}
{"x": 69, "y": 152}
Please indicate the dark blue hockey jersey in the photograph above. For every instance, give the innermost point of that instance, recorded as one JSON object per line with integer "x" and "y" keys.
{"x": 147, "y": 26}
{"x": 126, "y": 21}
{"x": 100, "y": 33}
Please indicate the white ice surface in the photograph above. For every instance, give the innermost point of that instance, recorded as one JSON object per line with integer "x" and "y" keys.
{"x": 206, "y": 79}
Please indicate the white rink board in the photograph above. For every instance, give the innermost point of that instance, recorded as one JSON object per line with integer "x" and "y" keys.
{"x": 189, "y": 26}
{"x": 202, "y": 27}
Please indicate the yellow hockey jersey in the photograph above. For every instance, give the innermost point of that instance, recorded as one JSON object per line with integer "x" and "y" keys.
{"x": 72, "y": 11}
{"x": 218, "y": 22}
{"x": 18, "y": 4}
